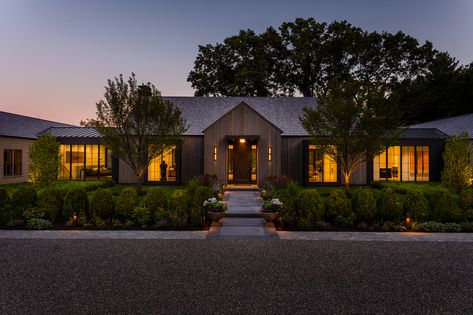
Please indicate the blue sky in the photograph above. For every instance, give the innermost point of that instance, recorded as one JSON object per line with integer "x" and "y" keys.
{"x": 57, "y": 55}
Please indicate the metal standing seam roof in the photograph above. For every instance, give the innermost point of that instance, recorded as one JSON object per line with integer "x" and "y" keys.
{"x": 14, "y": 125}
{"x": 73, "y": 132}
{"x": 451, "y": 126}
{"x": 423, "y": 133}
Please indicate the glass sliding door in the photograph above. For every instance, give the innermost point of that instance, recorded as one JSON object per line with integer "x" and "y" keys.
{"x": 322, "y": 168}
{"x": 402, "y": 163}
{"x": 163, "y": 168}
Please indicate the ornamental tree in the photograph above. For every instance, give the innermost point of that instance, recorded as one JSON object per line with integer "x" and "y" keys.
{"x": 457, "y": 173}
{"x": 45, "y": 160}
{"x": 352, "y": 121}
{"x": 137, "y": 123}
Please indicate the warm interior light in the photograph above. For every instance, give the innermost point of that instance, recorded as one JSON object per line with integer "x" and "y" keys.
{"x": 242, "y": 140}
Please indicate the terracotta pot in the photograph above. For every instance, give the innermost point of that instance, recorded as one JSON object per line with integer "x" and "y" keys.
{"x": 269, "y": 216}
{"x": 215, "y": 216}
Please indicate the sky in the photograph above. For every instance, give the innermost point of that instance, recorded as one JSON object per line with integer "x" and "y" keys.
{"x": 56, "y": 55}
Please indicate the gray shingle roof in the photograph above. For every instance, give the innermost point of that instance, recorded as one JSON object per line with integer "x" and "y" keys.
{"x": 283, "y": 112}
{"x": 423, "y": 133}
{"x": 73, "y": 132}
{"x": 14, "y": 125}
{"x": 451, "y": 126}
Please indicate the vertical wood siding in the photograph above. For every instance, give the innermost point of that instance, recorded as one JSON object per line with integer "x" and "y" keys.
{"x": 242, "y": 121}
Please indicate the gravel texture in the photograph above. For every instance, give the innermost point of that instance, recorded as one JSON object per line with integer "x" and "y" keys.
{"x": 234, "y": 276}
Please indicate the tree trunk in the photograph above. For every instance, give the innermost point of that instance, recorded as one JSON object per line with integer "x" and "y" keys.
{"x": 138, "y": 184}
{"x": 347, "y": 184}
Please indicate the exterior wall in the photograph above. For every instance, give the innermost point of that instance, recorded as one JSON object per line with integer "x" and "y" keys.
{"x": 125, "y": 173}
{"x": 16, "y": 144}
{"x": 292, "y": 157}
{"x": 192, "y": 157}
{"x": 242, "y": 121}
{"x": 358, "y": 177}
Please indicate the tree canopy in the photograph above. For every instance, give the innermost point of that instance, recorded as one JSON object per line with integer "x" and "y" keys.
{"x": 137, "y": 123}
{"x": 45, "y": 160}
{"x": 302, "y": 56}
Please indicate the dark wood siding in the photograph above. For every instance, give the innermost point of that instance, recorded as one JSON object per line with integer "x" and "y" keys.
{"x": 192, "y": 157}
{"x": 292, "y": 157}
{"x": 243, "y": 121}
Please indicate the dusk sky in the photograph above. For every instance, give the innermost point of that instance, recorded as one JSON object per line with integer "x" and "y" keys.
{"x": 55, "y": 56}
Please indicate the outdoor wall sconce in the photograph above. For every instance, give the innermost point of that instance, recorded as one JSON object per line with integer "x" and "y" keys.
{"x": 270, "y": 154}
{"x": 242, "y": 140}
{"x": 215, "y": 153}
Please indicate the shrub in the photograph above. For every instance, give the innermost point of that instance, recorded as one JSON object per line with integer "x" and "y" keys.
{"x": 126, "y": 202}
{"x": 364, "y": 205}
{"x": 338, "y": 207}
{"x": 23, "y": 198}
{"x": 433, "y": 226}
{"x": 443, "y": 207}
{"x": 389, "y": 206}
{"x": 160, "y": 214}
{"x": 38, "y": 224}
{"x": 288, "y": 197}
{"x": 457, "y": 172}
{"x": 155, "y": 199}
{"x": 102, "y": 204}
{"x": 466, "y": 199}
{"x": 35, "y": 213}
{"x": 75, "y": 201}
{"x": 311, "y": 208}
{"x": 141, "y": 216}
{"x": 196, "y": 212}
{"x": 179, "y": 208}
{"x": 416, "y": 205}
{"x": 51, "y": 199}
{"x": 278, "y": 182}
{"x": 45, "y": 159}
{"x": 5, "y": 206}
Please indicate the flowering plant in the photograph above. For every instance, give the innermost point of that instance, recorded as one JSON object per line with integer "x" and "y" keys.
{"x": 273, "y": 205}
{"x": 213, "y": 205}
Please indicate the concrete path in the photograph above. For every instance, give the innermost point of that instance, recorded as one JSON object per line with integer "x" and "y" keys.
{"x": 81, "y": 234}
{"x": 375, "y": 236}
{"x": 242, "y": 219}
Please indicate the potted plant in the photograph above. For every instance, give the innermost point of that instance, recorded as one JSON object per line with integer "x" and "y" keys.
{"x": 214, "y": 209}
{"x": 270, "y": 209}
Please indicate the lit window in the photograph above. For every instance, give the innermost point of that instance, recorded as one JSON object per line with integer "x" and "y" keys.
{"x": 242, "y": 140}
{"x": 12, "y": 162}
{"x": 322, "y": 168}
{"x": 163, "y": 167}
{"x": 406, "y": 163}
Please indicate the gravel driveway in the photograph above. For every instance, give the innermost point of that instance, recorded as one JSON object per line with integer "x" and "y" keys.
{"x": 235, "y": 276}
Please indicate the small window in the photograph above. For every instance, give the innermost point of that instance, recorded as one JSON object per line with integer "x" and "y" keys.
{"x": 12, "y": 162}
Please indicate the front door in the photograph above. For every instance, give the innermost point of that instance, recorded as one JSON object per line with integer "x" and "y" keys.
{"x": 242, "y": 162}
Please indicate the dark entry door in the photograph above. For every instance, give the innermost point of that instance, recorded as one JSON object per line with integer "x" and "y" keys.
{"x": 242, "y": 162}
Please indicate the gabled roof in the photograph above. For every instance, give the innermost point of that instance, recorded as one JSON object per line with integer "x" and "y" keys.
{"x": 14, "y": 125}
{"x": 252, "y": 109}
{"x": 283, "y": 112}
{"x": 73, "y": 132}
{"x": 451, "y": 126}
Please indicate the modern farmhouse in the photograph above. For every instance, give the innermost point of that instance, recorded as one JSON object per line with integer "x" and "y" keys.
{"x": 240, "y": 139}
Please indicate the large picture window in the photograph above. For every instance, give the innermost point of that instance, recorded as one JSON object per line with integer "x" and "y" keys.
{"x": 322, "y": 168}
{"x": 163, "y": 168}
{"x": 402, "y": 163}
{"x": 79, "y": 161}
{"x": 12, "y": 162}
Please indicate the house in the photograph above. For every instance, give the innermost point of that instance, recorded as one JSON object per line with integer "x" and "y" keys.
{"x": 17, "y": 133}
{"x": 245, "y": 140}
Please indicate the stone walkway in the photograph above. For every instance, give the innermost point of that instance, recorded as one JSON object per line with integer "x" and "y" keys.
{"x": 377, "y": 236}
{"x": 242, "y": 219}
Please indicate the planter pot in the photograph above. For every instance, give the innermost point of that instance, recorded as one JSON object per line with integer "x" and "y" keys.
{"x": 215, "y": 216}
{"x": 269, "y": 216}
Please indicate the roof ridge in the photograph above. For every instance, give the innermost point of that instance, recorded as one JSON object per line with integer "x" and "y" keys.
{"x": 30, "y": 117}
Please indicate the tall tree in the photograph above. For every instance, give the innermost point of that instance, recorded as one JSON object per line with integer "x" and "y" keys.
{"x": 458, "y": 172}
{"x": 353, "y": 121}
{"x": 137, "y": 123}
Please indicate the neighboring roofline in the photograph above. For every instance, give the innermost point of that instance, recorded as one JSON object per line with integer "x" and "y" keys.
{"x": 18, "y": 137}
{"x": 45, "y": 120}
{"x": 234, "y": 108}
